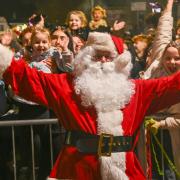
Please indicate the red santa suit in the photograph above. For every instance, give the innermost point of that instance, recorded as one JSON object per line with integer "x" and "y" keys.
{"x": 57, "y": 91}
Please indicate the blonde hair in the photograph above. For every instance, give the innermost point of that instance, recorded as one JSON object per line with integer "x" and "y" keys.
{"x": 99, "y": 8}
{"x": 40, "y": 30}
{"x": 81, "y": 16}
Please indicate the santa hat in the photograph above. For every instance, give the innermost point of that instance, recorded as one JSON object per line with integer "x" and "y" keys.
{"x": 105, "y": 42}
{"x": 118, "y": 43}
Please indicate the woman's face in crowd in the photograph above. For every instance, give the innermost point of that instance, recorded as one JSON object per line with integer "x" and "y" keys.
{"x": 97, "y": 15}
{"x": 140, "y": 46}
{"x": 26, "y": 39}
{"x": 74, "y": 22}
{"x": 171, "y": 60}
{"x": 6, "y": 39}
{"x": 77, "y": 43}
{"x": 40, "y": 43}
{"x": 178, "y": 31}
{"x": 59, "y": 39}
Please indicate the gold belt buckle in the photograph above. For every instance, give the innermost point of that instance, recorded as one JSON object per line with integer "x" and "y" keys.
{"x": 100, "y": 144}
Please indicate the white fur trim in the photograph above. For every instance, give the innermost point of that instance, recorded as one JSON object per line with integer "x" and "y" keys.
{"x": 123, "y": 63}
{"x": 101, "y": 41}
{"x": 113, "y": 167}
{"x": 151, "y": 69}
{"x": 5, "y": 59}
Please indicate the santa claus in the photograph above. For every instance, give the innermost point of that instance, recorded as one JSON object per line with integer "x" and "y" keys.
{"x": 98, "y": 105}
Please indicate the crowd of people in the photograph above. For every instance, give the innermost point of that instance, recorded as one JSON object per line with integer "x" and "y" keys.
{"x": 91, "y": 95}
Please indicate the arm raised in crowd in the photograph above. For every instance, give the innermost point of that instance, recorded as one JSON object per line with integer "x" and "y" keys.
{"x": 162, "y": 38}
{"x": 27, "y": 82}
{"x": 164, "y": 33}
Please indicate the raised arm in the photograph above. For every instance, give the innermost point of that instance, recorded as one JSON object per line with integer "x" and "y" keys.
{"x": 164, "y": 33}
{"x": 162, "y": 38}
{"x": 28, "y": 83}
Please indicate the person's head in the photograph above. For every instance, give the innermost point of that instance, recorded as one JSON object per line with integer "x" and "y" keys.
{"x": 78, "y": 43}
{"x": 171, "y": 57}
{"x": 40, "y": 41}
{"x": 177, "y": 34}
{"x": 25, "y": 36}
{"x": 6, "y": 38}
{"x": 141, "y": 43}
{"x": 59, "y": 39}
{"x": 101, "y": 71}
{"x": 76, "y": 20}
{"x": 178, "y": 30}
{"x": 103, "y": 52}
{"x": 98, "y": 13}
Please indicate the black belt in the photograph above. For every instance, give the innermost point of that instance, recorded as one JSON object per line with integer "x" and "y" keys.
{"x": 103, "y": 144}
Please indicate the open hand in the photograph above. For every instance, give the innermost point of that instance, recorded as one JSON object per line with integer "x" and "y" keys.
{"x": 118, "y": 25}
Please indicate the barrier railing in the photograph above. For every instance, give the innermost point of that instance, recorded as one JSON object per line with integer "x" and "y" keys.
{"x": 31, "y": 124}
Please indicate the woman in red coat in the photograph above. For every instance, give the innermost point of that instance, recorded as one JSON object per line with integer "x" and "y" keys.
{"x": 98, "y": 105}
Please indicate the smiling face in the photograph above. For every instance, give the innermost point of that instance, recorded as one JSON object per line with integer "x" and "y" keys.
{"x": 40, "y": 43}
{"x": 75, "y": 22}
{"x": 171, "y": 60}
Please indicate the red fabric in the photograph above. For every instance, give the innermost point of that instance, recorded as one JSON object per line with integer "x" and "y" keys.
{"x": 56, "y": 92}
{"x": 148, "y": 155}
{"x": 118, "y": 43}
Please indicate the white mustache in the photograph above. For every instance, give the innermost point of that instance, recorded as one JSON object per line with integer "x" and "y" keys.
{"x": 104, "y": 67}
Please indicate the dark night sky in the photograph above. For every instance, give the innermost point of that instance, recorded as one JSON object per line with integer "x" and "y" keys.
{"x": 22, "y": 9}
{"x": 56, "y": 10}
{"x": 19, "y": 8}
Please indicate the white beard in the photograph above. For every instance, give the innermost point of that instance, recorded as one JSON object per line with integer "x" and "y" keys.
{"x": 99, "y": 85}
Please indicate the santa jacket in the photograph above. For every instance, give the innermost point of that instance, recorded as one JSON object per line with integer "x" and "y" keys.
{"x": 56, "y": 91}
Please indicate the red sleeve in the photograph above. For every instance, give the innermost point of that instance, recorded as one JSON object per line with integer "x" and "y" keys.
{"x": 164, "y": 92}
{"x": 33, "y": 85}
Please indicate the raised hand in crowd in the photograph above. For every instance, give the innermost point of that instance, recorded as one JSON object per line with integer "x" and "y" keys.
{"x": 118, "y": 25}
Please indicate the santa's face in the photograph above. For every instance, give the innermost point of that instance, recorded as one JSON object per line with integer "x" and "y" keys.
{"x": 99, "y": 83}
{"x": 103, "y": 56}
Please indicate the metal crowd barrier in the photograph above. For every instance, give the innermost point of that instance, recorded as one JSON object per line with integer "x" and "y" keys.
{"x": 31, "y": 123}
{"x": 50, "y": 122}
